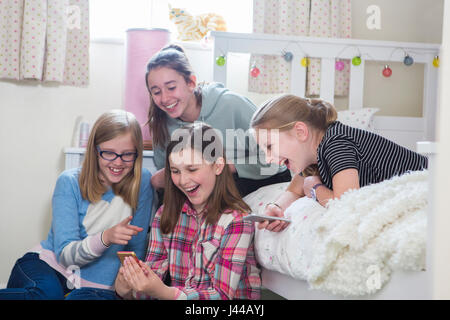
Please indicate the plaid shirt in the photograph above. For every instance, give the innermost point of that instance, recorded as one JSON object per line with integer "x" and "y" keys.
{"x": 206, "y": 261}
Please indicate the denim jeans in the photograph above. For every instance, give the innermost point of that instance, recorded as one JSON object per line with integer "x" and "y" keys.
{"x": 91, "y": 294}
{"x": 33, "y": 279}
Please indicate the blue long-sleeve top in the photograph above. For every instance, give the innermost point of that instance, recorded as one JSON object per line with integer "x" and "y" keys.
{"x": 74, "y": 240}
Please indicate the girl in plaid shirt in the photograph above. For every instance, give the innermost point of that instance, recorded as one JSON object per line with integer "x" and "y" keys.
{"x": 198, "y": 236}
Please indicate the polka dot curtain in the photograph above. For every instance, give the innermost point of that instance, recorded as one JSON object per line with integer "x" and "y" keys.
{"x": 45, "y": 40}
{"x": 315, "y": 18}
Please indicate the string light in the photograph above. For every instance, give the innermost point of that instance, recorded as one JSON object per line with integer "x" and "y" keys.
{"x": 304, "y": 62}
{"x": 408, "y": 60}
{"x": 339, "y": 65}
{"x": 221, "y": 60}
{"x": 356, "y": 61}
{"x": 254, "y": 71}
{"x": 387, "y": 71}
{"x": 288, "y": 56}
{"x": 436, "y": 62}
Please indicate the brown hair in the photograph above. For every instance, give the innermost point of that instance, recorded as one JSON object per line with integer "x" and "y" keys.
{"x": 173, "y": 57}
{"x": 311, "y": 170}
{"x": 225, "y": 195}
{"x": 282, "y": 112}
{"x": 108, "y": 126}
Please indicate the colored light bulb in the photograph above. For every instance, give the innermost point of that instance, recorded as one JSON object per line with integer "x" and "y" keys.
{"x": 254, "y": 72}
{"x": 288, "y": 56}
{"x": 339, "y": 65}
{"x": 436, "y": 62}
{"x": 356, "y": 61}
{"x": 220, "y": 60}
{"x": 408, "y": 60}
{"x": 304, "y": 62}
{"x": 387, "y": 72}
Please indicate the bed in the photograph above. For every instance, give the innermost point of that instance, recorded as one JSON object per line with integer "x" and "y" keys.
{"x": 391, "y": 279}
{"x": 356, "y": 248}
{"x": 404, "y": 130}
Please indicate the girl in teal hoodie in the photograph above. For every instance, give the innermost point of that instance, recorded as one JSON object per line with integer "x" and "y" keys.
{"x": 176, "y": 100}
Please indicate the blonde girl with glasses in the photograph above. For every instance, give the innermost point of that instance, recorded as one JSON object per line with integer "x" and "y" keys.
{"x": 304, "y": 134}
{"x": 98, "y": 209}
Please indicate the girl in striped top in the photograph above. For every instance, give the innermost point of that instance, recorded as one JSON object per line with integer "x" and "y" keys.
{"x": 303, "y": 133}
{"x": 198, "y": 237}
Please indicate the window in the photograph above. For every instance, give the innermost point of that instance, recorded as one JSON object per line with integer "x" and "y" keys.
{"x": 109, "y": 19}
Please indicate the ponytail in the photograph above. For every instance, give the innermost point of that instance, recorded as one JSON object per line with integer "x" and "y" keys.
{"x": 322, "y": 114}
{"x": 174, "y": 47}
{"x": 282, "y": 112}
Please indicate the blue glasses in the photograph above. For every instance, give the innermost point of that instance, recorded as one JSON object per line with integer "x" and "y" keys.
{"x": 111, "y": 156}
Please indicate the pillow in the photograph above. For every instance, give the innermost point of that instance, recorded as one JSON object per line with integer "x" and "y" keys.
{"x": 358, "y": 118}
{"x": 258, "y": 199}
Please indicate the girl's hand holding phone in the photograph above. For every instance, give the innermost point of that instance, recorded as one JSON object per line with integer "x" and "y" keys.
{"x": 272, "y": 209}
{"x": 121, "y": 286}
{"x": 141, "y": 278}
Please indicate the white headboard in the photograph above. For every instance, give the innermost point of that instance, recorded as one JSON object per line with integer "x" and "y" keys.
{"x": 404, "y": 130}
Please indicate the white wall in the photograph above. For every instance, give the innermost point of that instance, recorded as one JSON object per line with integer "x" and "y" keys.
{"x": 37, "y": 121}
{"x": 401, "y": 20}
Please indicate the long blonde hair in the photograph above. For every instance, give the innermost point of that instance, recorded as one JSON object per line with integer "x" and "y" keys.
{"x": 283, "y": 111}
{"x": 108, "y": 126}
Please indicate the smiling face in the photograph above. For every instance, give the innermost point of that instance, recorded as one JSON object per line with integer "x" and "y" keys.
{"x": 196, "y": 179}
{"x": 172, "y": 94}
{"x": 114, "y": 171}
{"x": 284, "y": 148}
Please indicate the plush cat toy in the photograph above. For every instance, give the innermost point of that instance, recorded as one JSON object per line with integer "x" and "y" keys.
{"x": 194, "y": 28}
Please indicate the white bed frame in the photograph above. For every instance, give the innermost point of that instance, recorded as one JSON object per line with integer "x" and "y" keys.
{"x": 403, "y": 130}
{"x": 406, "y": 131}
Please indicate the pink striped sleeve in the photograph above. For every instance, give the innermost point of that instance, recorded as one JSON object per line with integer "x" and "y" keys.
{"x": 156, "y": 257}
{"x": 229, "y": 262}
{"x": 156, "y": 252}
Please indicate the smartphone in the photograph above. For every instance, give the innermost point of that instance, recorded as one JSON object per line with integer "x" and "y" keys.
{"x": 123, "y": 254}
{"x": 261, "y": 218}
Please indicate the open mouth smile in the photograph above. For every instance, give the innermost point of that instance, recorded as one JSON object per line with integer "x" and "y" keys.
{"x": 192, "y": 190}
{"x": 115, "y": 171}
{"x": 286, "y": 163}
{"x": 171, "y": 106}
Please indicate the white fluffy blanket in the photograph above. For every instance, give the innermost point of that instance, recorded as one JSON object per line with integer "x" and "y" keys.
{"x": 352, "y": 247}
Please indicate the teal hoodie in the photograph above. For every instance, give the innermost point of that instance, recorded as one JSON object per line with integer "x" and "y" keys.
{"x": 223, "y": 109}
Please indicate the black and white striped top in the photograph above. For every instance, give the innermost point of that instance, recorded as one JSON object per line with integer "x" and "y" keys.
{"x": 375, "y": 157}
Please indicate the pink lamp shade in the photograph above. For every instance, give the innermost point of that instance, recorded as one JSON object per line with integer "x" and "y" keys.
{"x": 141, "y": 45}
